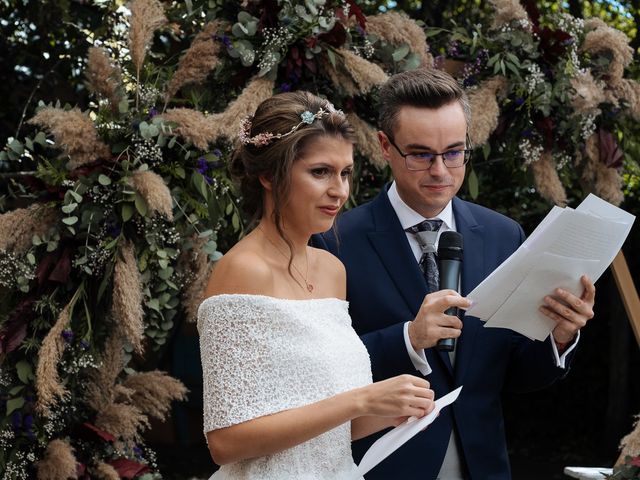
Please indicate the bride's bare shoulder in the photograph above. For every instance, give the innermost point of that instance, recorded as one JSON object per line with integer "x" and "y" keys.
{"x": 241, "y": 270}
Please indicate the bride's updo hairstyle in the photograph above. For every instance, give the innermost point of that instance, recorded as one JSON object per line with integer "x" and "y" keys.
{"x": 273, "y": 139}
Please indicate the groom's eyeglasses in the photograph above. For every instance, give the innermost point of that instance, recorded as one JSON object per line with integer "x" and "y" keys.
{"x": 423, "y": 160}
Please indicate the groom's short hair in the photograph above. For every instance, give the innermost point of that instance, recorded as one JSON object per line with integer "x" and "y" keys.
{"x": 422, "y": 87}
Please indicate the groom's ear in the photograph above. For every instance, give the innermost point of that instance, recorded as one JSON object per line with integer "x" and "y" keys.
{"x": 385, "y": 145}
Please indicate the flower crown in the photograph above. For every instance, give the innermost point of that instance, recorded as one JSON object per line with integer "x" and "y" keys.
{"x": 264, "y": 138}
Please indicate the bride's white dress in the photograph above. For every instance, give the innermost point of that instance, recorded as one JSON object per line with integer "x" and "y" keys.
{"x": 261, "y": 355}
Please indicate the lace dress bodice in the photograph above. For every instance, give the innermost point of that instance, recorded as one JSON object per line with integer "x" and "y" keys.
{"x": 261, "y": 355}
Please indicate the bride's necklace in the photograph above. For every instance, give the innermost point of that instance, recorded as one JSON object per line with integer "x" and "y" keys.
{"x": 305, "y": 276}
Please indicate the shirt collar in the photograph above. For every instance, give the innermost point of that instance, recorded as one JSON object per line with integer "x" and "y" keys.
{"x": 409, "y": 217}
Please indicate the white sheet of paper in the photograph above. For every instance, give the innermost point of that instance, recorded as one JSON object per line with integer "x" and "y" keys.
{"x": 550, "y": 269}
{"x": 583, "y": 241}
{"x": 394, "y": 439}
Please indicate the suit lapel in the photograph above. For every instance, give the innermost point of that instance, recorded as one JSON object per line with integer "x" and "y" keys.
{"x": 472, "y": 274}
{"x": 390, "y": 243}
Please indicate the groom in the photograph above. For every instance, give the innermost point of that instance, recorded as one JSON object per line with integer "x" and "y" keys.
{"x": 393, "y": 295}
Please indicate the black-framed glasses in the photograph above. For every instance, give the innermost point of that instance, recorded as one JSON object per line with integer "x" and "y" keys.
{"x": 424, "y": 160}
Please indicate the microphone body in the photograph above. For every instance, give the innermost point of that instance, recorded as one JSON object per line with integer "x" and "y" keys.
{"x": 449, "y": 265}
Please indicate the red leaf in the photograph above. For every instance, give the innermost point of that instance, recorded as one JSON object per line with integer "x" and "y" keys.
{"x": 355, "y": 10}
{"x": 128, "y": 468}
{"x": 610, "y": 152}
{"x": 101, "y": 433}
{"x": 15, "y": 327}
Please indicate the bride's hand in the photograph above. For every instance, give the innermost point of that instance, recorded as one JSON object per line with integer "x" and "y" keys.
{"x": 401, "y": 396}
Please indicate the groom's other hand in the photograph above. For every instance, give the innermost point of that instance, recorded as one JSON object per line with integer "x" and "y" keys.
{"x": 432, "y": 324}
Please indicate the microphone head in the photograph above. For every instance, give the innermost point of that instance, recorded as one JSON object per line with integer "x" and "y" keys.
{"x": 450, "y": 246}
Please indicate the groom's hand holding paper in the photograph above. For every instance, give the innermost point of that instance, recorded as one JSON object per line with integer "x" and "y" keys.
{"x": 567, "y": 245}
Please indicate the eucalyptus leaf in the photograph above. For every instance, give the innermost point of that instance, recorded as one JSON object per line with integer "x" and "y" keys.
{"x": 70, "y": 220}
{"x": 400, "y": 53}
{"x": 16, "y": 146}
{"x": 141, "y": 205}
{"x": 69, "y": 207}
{"x": 14, "y": 404}
{"x": 127, "y": 212}
{"x": 472, "y": 182}
{"x": 25, "y": 372}
{"x": 76, "y": 196}
{"x": 104, "y": 180}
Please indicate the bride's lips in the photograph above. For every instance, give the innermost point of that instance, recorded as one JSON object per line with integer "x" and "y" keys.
{"x": 330, "y": 210}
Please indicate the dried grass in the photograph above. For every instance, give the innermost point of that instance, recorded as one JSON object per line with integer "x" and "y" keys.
{"x": 367, "y": 140}
{"x": 193, "y": 126}
{"x": 398, "y": 28}
{"x": 601, "y": 37}
{"x": 154, "y": 391}
{"x": 507, "y": 11}
{"x": 588, "y": 95}
{"x": 59, "y": 462}
{"x": 104, "y": 471}
{"x": 18, "y": 227}
{"x": 104, "y": 77}
{"x": 127, "y": 296}
{"x": 366, "y": 74}
{"x": 122, "y": 420}
{"x": 485, "y": 110}
{"x": 195, "y": 266}
{"x": 547, "y": 180}
{"x": 154, "y": 191}
{"x": 146, "y": 17}
{"x": 48, "y": 386}
{"x": 75, "y": 133}
{"x": 198, "y": 60}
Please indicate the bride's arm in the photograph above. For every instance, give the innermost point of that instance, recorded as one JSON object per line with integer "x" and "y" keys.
{"x": 400, "y": 396}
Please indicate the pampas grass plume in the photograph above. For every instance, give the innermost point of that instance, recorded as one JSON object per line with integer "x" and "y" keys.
{"x": 588, "y": 95}
{"x": 198, "y": 60}
{"x": 154, "y": 391}
{"x": 146, "y": 17}
{"x": 605, "y": 182}
{"x": 193, "y": 126}
{"x": 365, "y": 73}
{"x": 99, "y": 390}
{"x": 507, "y": 11}
{"x": 397, "y": 28}
{"x": 630, "y": 444}
{"x": 122, "y": 420}
{"x": 485, "y": 110}
{"x": 105, "y": 78}
{"x": 227, "y": 123}
{"x": 75, "y": 133}
{"x": 127, "y": 296}
{"x": 340, "y": 79}
{"x": 48, "y": 384}
{"x": 547, "y": 181}
{"x": 367, "y": 140}
{"x": 104, "y": 471}
{"x": 601, "y": 37}
{"x": 195, "y": 266}
{"x": 154, "y": 191}
{"x": 58, "y": 463}
{"x": 18, "y": 227}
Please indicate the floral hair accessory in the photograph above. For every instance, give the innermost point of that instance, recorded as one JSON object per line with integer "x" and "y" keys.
{"x": 264, "y": 138}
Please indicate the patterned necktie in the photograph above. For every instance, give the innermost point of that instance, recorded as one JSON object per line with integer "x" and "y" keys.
{"x": 426, "y": 232}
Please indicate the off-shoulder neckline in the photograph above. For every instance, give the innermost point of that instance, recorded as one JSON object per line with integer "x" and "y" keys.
{"x": 270, "y": 298}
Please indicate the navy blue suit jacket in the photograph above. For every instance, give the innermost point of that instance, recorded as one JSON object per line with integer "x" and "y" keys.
{"x": 385, "y": 289}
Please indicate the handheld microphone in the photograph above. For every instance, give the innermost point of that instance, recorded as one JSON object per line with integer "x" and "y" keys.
{"x": 449, "y": 263}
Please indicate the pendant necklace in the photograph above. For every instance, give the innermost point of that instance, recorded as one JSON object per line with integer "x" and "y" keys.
{"x": 304, "y": 277}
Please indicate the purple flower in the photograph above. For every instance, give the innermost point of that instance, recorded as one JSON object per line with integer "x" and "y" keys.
{"x": 519, "y": 101}
{"x": 27, "y": 422}
{"x": 84, "y": 344}
{"x": 438, "y": 62}
{"x": 452, "y": 50}
{"x": 217, "y": 152}
{"x": 16, "y": 420}
{"x": 153, "y": 111}
{"x": 285, "y": 87}
{"x": 226, "y": 41}
{"x": 208, "y": 179}
{"x": 113, "y": 230}
{"x": 527, "y": 133}
{"x": 137, "y": 451}
{"x": 67, "y": 335}
{"x": 202, "y": 166}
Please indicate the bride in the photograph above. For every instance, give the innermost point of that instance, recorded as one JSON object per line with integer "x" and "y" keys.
{"x": 287, "y": 382}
